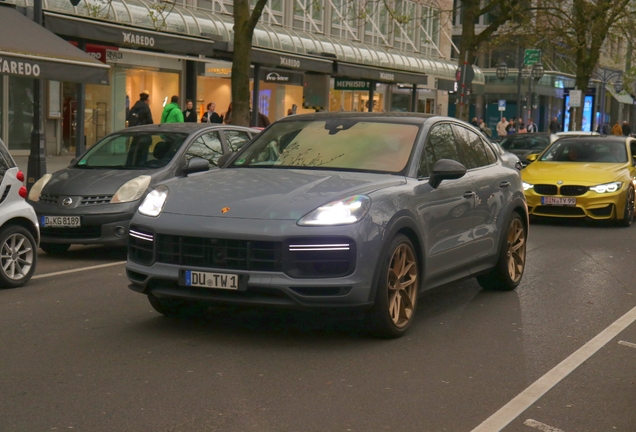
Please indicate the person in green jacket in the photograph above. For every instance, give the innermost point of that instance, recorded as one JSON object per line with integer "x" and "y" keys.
{"x": 172, "y": 112}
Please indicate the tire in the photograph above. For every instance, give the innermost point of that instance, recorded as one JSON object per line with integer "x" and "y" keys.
{"x": 177, "y": 308}
{"x": 507, "y": 273}
{"x": 18, "y": 256}
{"x": 395, "y": 302}
{"x": 628, "y": 214}
{"x": 54, "y": 248}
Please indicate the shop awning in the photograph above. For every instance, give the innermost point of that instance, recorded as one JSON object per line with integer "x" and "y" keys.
{"x": 29, "y": 50}
{"x": 621, "y": 97}
{"x": 291, "y": 61}
{"x": 198, "y": 24}
{"x": 104, "y": 31}
{"x": 379, "y": 75}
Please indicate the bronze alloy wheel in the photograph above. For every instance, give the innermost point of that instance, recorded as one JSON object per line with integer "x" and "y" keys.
{"x": 16, "y": 256}
{"x": 402, "y": 285}
{"x": 516, "y": 250}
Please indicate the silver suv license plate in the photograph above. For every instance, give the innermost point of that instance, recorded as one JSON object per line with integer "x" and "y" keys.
{"x": 211, "y": 280}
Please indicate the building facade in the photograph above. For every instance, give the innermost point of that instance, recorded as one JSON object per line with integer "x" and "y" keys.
{"x": 307, "y": 55}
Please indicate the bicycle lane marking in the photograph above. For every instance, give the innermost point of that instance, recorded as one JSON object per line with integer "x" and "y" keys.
{"x": 81, "y": 269}
{"x": 530, "y": 395}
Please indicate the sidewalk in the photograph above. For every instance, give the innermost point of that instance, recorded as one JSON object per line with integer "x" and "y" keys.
{"x": 53, "y": 163}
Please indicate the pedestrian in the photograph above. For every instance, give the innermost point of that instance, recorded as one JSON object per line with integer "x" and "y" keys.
{"x": 263, "y": 120}
{"x": 227, "y": 117}
{"x": 607, "y": 129}
{"x": 532, "y": 127}
{"x": 512, "y": 125}
{"x": 626, "y": 129}
{"x": 172, "y": 112}
{"x": 211, "y": 116}
{"x": 554, "y": 126}
{"x": 501, "y": 128}
{"x": 474, "y": 122}
{"x": 522, "y": 128}
{"x": 290, "y": 112}
{"x": 189, "y": 114}
{"x": 617, "y": 129}
{"x": 140, "y": 113}
{"x": 512, "y": 128}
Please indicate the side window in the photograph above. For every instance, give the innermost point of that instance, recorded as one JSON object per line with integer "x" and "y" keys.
{"x": 490, "y": 153}
{"x": 471, "y": 148}
{"x": 440, "y": 144}
{"x": 207, "y": 146}
{"x": 235, "y": 139}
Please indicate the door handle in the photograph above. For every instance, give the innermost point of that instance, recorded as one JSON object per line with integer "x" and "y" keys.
{"x": 504, "y": 184}
{"x": 469, "y": 194}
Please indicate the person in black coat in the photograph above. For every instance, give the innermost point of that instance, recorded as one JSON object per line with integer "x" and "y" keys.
{"x": 626, "y": 129}
{"x": 211, "y": 116}
{"x": 140, "y": 113}
{"x": 189, "y": 114}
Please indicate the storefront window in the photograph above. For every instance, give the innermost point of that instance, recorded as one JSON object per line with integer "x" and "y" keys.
{"x": 161, "y": 86}
{"x": 350, "y": 100}
{"x": 20, "y": 112}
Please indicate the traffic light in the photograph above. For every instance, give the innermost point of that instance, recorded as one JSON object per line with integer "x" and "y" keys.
{"x": 75, "y": 2}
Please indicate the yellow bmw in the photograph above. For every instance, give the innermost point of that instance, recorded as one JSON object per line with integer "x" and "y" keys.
{"x": 580, "y": 177}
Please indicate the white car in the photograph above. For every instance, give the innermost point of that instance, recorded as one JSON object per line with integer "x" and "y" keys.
{"x": 19, "y": 230}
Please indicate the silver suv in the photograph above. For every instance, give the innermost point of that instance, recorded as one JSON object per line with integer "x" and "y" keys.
{"x": 19, "y": 231}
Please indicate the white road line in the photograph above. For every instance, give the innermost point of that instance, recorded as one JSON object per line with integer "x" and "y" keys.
{"x": 629, "y": 344}
{"x": 529, "y": 396}
{"x": 77, "y": 270}
{"x": 541, "y": 426}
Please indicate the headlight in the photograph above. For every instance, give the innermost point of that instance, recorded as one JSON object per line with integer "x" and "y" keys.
{"x": 343, "y": 212}
{"x": 607, "y": 187}
{"x": 527, "y": 186}
{"x": 36, "y": 189}
{"x": 132, "y": 190}
{"x": 154, "y": 201}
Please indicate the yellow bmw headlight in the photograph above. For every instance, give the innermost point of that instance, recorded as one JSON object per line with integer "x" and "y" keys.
{"x": 606, "y": 187}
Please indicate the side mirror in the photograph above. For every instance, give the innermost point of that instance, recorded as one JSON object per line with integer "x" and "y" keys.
{"x": 223, "y": 160}
{"x": 195, "y": 165}
{"x": 446, "y": 169}
{"x": 532, "y": 157}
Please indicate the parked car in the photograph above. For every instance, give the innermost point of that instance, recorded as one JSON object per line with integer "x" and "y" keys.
{"x": 584, "y": 177}
{"x": 93, "y": 200}
{"x": 508, "y": 158}
{"x": 19, "y": 233}
{"x": 524, "y": 145}
{"x": 355, "y": 211}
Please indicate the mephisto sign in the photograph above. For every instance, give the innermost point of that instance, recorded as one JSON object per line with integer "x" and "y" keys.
{"x": 19, "y": 68}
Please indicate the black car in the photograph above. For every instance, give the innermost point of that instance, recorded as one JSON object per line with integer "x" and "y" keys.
{"x": 523, "y": 145}
{"x": 93, "y": 199}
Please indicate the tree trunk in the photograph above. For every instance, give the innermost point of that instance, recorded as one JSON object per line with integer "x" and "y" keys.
{"x": 241, "y": 64}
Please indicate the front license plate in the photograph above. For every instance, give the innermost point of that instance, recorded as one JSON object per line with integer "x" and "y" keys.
{"x": 211, "y": 280}
{"x": 558, "y": 201}
{"x": 60, "y": 221}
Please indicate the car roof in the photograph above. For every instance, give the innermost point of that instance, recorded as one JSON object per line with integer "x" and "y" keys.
{"x": 184, "y": 127}
{"x": 609, "y": 138}
{"x": 410, "y": 117}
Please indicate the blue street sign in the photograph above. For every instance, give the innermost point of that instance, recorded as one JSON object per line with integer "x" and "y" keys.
{"x": 502, "y": 104}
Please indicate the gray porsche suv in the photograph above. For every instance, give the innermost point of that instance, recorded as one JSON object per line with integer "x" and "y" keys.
{"x": 348, "y": 211}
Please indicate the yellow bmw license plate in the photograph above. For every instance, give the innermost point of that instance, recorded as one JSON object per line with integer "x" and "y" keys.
{"x": 558, "y": 201}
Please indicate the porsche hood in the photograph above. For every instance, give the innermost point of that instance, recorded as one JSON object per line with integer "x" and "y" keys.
{"x": 265, "y": 193}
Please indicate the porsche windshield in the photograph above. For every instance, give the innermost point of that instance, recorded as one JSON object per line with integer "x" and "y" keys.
{"x": 597, "y": 150}
{"x": 339, "y": 143}
{"x": 135, "y": 150}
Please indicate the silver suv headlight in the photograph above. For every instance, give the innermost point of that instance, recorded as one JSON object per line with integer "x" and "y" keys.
{"x": 342, "y": 212}
{"x": 153, "y": 204}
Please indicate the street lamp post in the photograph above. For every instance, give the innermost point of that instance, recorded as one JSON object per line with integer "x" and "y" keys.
{"x": 605, "y": 76}
{"x": 36, "y": 166}
{"x": 525, "y": 71}
{"x": 502, "y": 73}
{"x": 535, "y": 75}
